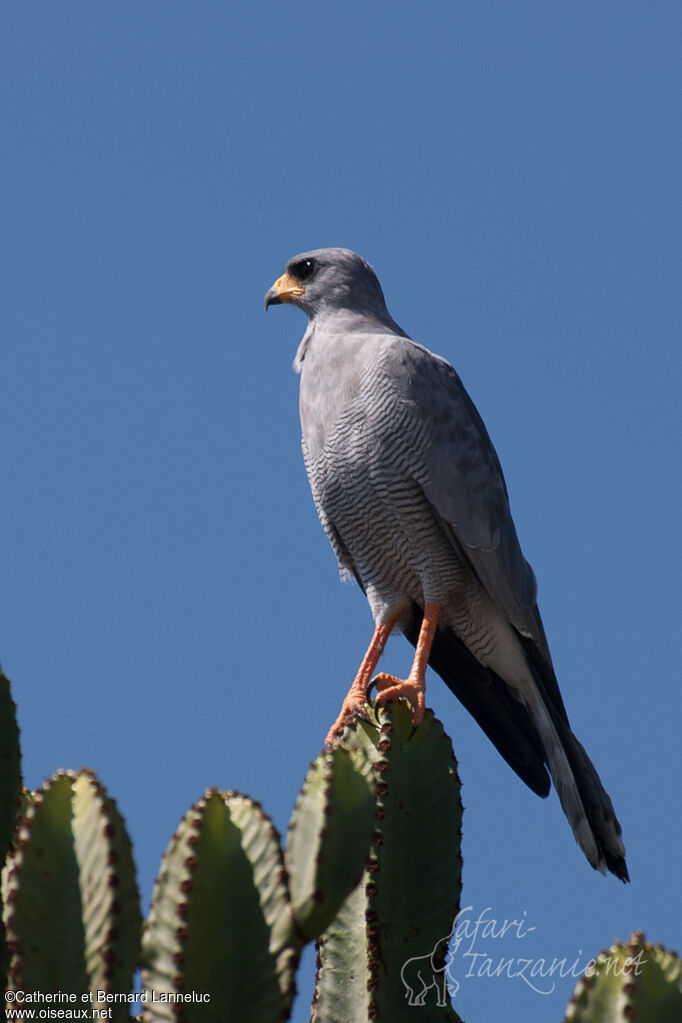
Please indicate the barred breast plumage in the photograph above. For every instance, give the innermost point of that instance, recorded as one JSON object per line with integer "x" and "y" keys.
{"x": 410, "y": 492}
{"x": 363, "y": 464}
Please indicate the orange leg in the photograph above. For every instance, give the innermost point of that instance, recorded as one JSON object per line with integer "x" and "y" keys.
{"x": 388, "y": 686}
{"x": 414, "y": 687}
{"x": 357, "y": 694}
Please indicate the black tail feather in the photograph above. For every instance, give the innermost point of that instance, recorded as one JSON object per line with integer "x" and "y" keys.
{"x": 598, "y": 807}
{"x": 487, "y": 698}
{"x": 508, "y": 724}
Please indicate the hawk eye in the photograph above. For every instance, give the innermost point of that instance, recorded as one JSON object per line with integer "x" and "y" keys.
{"x": 304, "y": 269}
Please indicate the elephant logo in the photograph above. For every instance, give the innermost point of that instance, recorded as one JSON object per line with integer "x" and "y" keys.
{"x": 421, "y": 973}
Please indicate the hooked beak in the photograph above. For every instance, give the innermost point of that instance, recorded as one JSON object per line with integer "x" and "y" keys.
{"x": 285, "y": 289}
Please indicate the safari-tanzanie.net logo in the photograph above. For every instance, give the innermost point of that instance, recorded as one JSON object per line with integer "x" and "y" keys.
{"x": 481, "y": 947}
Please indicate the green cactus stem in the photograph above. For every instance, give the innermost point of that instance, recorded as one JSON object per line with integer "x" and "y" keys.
{"x": 329, "y": 836}
{"x": 71, "y": 906}
{"x": 111, "y": 907}
{"x": 631, "y": 981}
{"x": 384, "y": 955}
{"x": 343, "y": 979}
{"x": 10, "y": 766}
{"x": 10, "y": 787}
{"x": 219, "y": 943}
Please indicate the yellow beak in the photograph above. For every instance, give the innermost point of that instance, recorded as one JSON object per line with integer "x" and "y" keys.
{"x": 285, "y": 289}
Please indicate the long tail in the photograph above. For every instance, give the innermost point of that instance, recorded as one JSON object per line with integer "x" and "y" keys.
{"x": 583, "y": 798}
{"x": 533, "y": 738}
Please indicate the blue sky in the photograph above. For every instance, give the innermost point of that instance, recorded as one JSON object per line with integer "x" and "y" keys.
{"x": 171, "y": 612}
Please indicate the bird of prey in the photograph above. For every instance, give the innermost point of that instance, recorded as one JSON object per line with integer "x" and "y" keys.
{"x": 411, "y": 495}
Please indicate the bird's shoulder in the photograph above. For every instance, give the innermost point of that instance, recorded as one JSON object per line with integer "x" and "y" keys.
{"x": 462, "y": 478}
{"x": 438, "y": 398}
{"x": 416, "y": 371}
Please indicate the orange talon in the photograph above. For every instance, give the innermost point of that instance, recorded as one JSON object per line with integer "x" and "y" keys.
{"x": 390, "y": 688}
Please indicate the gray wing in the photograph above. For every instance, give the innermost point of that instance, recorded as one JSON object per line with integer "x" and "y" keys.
{"x": 463, "y": 480}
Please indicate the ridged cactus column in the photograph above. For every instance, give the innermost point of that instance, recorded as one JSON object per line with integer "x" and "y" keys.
{"x": 10, "y": 787}
{"x": 630, "y": 981}
{"x": 10, "y": 766}
{"x": 384, "y": 955}
{"x": 70, "y": 899}
{"x": 329, "y": 836}
{"x": 220, "y": 926}
{"x": 230, "y": 913}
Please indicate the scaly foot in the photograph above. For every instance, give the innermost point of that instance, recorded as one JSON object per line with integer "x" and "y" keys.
{"x": 353, "y": 706}
{"x": 391, "y": 688}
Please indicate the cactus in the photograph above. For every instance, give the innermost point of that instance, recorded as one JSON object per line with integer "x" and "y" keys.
{"x": 386, "y": 948}
{"x": 70, "y": 899}
{"x": 10, "y": 786}
{"x": 631, "y": 981}
{"x": 230, "y": 916}
{"x": 223, "y": 920}
{"x": 220, "y": 922}
{"x": 329, "y": 836}
{"x": 10, "y": 766}
{"x": 231, "y": 910}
